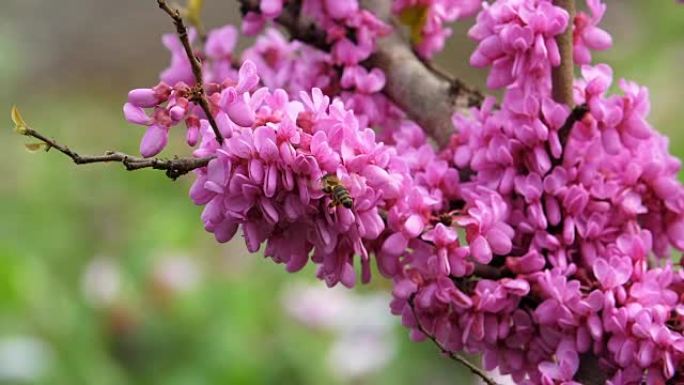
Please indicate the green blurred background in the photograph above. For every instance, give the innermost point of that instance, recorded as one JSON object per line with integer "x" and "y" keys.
{"x": 106, "y": 276}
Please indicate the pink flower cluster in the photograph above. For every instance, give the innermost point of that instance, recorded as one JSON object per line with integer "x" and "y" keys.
{"x": 270, "y": 174}
{"x": 517, "y": 39}
{"x": 280, "y": 64}
{"x": 351, "y": 33}
{"x": 568, "y": 270}
{"x": 350, "y": 30}
{"x": 574, "y": 278}
{"x": 537, "y": 237}
{"x": 172, "y": 100}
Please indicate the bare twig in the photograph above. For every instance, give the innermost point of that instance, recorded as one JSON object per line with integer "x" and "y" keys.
{"x": 199, "y": 96}
{"x": 174, "y": 167}
{"x": 564, "y": 75}
{"x": 454, "y": 356}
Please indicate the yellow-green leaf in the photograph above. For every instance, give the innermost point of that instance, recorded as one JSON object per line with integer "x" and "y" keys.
{"x": 35, "y": 147}
{"x": 194, "y": 11}
{"x": 20, "y": 126}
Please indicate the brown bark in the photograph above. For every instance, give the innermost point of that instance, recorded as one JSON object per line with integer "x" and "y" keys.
{"x": 563, "y": 75}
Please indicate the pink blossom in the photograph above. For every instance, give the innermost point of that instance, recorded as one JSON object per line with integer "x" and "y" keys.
{"x": 517, "y": 39}
{"x": 586, "y": 35}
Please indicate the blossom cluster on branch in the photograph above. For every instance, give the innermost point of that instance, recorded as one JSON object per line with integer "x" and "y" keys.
{"x": 540, "y": 236}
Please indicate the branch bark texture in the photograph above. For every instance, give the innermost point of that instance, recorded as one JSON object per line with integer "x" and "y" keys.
{"x": 563, "y": 76}
{"x": 429, "y": 99}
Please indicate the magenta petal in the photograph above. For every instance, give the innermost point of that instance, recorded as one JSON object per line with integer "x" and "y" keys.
{"x": 223, "y": 124}
{"x": 675, "y": 232}
{"x": 395, "y": 244}
{"x": 271, "y": 181}
{"x": 414, "y": 225}
{"x": 499, "y": 242}
{"x": 297, "y": 262}
{"x": 271, "y": 8}
{"x": 480, "y": 250}
{"x": 241, "y": 113}
{"x": 341, "y": 9}
{"x": 221, "y": 42}
{"x": 225, "y": 231}
{"x": 597, "y": 39}
{"x": 135, "y": 115}
{"x": 154, "y": 141}
{"x": 376, "y": 175}
{"x": 251, "y": 234}
{"x": 646, "y": 354}
{"x": 143, "y": 97}
{"x": 348, "y": 277}
{"x": 404, "y": 288}
{"x": 247, "y": 76}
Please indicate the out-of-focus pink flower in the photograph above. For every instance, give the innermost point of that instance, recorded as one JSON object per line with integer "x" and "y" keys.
{"x": 587, "y": 35}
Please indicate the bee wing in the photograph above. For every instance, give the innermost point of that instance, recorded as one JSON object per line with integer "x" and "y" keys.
{"x": 317, "y": 183}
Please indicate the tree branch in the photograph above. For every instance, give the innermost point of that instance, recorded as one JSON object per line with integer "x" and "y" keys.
{"x": 199, "y": 95}
{"x": 430, "y": 100}
{"x": 454, "y": 356}
{"x": 428, "y": 97}
{"x": 174, "y": 167}
{"x": 563, "y": 76}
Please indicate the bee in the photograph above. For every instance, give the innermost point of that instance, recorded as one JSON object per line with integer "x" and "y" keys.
{"x": 337, "y": 192}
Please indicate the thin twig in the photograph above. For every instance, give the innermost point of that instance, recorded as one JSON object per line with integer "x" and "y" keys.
{"x": 199, "y": 95}
{"x": 454, "y": 356}
{"x": 174, "y": 167}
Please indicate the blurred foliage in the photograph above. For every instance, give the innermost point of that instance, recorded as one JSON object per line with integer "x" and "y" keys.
{"x": 231, "y": 328}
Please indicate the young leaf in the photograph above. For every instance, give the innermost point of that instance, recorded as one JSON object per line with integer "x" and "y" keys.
{"x": 35, "y": 147}
{"x": 194, "y": 11}
{"x": 415, "y": 18}
{"x": 20, "y": 126}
